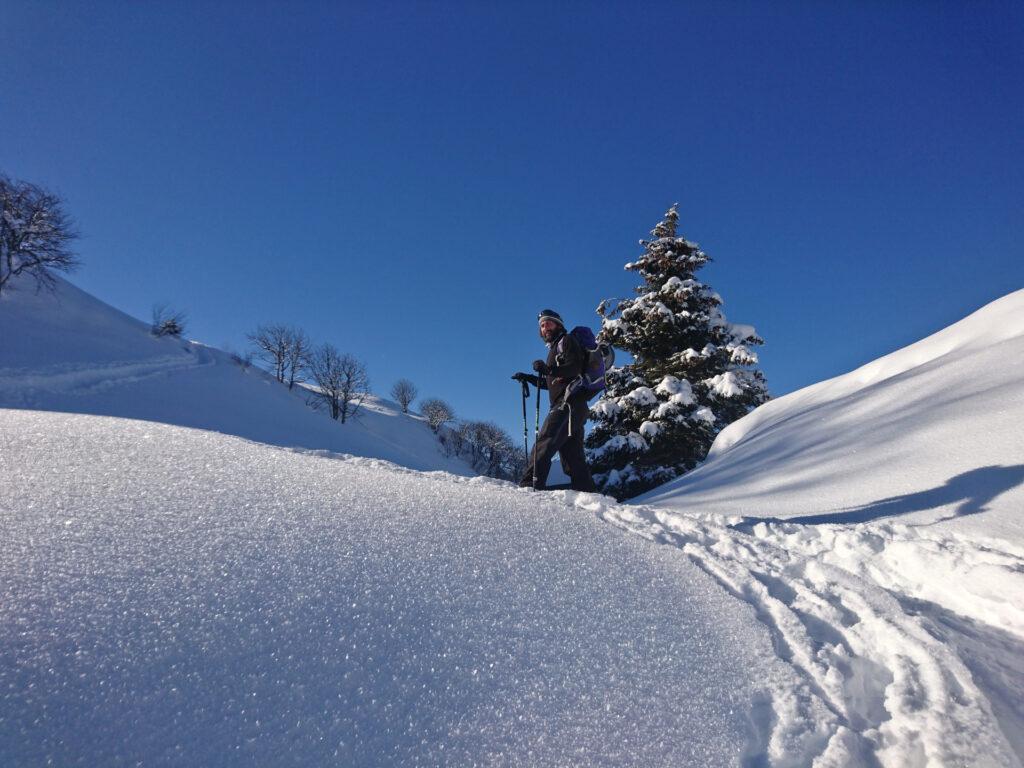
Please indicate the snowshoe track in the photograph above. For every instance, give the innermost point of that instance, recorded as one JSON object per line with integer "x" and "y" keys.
{"x": 882, "y": 679}
{"x": 87, "y": 379}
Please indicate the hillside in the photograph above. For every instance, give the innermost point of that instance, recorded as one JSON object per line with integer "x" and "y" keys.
{"x": 177, "y": 596}
{"x": 70, "y": 352}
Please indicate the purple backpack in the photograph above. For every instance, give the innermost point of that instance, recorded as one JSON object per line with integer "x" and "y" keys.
{"x": 598, "y": 358}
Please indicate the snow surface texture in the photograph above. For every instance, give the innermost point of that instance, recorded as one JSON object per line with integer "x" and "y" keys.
{"x": 907, "y": 682}
{"x": 183, "y": 597}
{"x": 70, "y": 352}
{"x": 180, "y": 597}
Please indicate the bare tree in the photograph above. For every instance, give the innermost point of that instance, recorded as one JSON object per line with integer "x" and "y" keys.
{"x": 404, "y": 393}
{"x": 341, "y": 382}
{"x": 456, "y": 439}
{"x": 271, "y": 343}
{"x": 167, "y": 321}
{"x": 437, "y": 412}
{"x": 297, "y": 358}
{"x": 486, "y": 447}
{"x": 35, "y": 234}
{"x": 285, "y": 350}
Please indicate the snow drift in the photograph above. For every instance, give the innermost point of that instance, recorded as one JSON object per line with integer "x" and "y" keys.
{"x": 181, "y": 597}
{"x": 933, "y": 432}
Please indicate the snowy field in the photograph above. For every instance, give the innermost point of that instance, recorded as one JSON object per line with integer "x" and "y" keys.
{"x": 841, "y": 584}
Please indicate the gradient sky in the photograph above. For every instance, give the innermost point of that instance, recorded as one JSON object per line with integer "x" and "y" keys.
{"x": 414, "y": 181}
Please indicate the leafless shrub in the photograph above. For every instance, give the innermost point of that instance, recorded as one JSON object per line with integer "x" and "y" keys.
{"x": 488, "y": 449}
{"x": 242, "y": 359}
{"x": 167, "y": 321}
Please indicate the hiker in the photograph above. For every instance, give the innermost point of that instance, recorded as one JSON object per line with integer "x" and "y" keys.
{"x": 563, "y": 428}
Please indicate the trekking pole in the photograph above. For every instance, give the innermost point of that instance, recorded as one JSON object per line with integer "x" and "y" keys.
{"x": 526, "y": 431}
{"x": 536, "y": 436}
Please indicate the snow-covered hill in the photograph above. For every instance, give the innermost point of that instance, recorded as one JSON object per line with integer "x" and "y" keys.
{"x": 228, "y": 603}
{"x": 70, "y": 352}
{"x": 181, "y": 596}
{"x": 931, "y": 433}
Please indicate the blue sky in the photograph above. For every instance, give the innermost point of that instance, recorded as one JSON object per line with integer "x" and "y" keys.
{"x": 414, "y": 181}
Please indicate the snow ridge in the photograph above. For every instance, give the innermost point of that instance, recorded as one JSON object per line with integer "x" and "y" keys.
{"x": 999, "y": 321}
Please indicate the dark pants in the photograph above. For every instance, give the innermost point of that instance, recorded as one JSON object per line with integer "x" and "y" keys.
{"x": 554, "y": 438}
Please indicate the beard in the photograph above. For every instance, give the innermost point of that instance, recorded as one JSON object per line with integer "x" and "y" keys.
{"x": 551, "y": 335}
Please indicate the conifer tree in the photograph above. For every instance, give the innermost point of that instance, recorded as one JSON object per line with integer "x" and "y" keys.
{"x": 692, "y": 372}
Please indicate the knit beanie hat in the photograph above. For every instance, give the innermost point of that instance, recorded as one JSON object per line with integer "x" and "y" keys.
{"x": 549, "y": 314}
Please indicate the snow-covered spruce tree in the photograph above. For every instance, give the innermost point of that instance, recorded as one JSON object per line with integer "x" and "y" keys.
{"x": 692, "y": 372}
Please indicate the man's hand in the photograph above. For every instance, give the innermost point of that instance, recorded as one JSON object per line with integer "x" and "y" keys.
{"x": 540, "y": 367}
{"x": 522, "y": 378}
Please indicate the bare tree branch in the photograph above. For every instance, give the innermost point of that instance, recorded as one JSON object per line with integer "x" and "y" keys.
{"x": 35, "y": 234}
{"x": 341, "y": 382}
{"x": 297, "y": 357}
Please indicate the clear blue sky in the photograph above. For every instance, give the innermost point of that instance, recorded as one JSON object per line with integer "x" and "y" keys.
{"x": 414, "y": 181}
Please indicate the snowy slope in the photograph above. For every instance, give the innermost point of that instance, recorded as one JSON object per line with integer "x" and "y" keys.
{"x": 933, "y": 432}
{"x": 71, "y": 352}
{"x": 229, "y": 603}
{"x": 906, "y": 475}
{"x": 182, "y": 597}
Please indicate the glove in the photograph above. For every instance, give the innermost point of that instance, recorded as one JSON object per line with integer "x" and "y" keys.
{"x": 540, "y": 367}
{"x": 523, "y": 378}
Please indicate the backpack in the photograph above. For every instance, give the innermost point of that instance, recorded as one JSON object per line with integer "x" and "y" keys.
{"x": 598, "y": 358}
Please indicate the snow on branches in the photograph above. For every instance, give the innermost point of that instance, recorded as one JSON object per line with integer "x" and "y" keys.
{"x": 691, "y": 373}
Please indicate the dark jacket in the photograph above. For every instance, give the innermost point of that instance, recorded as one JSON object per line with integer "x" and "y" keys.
{"x": 565, "y": 362}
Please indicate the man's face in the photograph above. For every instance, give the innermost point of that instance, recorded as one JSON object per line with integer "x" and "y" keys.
{"x": 548, "y": 329}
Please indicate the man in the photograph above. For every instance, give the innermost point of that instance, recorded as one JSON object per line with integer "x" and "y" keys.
{"x": 563, "y": 428}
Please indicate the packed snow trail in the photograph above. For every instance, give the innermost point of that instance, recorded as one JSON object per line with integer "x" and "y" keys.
{"x": 847, "y": 609}
{"x": 81, "y": 379}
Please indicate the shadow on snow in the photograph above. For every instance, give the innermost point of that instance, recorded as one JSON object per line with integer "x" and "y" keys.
{"x": 969, "y": 491}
